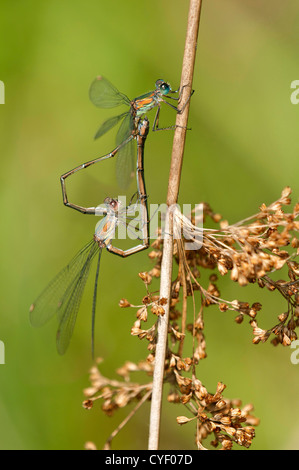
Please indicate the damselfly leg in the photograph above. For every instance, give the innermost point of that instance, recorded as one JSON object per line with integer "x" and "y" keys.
{"x": 88, "y": 210}
{"x": 140, "y": 135}
{"x": 176, "y": 108}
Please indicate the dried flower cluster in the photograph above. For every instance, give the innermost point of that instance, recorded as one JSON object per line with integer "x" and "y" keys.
{"x": 251, "y": 251}
{"x": 116, "y": 394}
{"x": 215, "y": 415}
{"x": 225, "y": 420}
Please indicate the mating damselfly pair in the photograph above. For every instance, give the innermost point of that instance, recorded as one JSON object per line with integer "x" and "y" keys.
{"x": 63, "y": 295}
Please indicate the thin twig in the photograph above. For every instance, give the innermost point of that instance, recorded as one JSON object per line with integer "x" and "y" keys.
{"x": 127, "y": 419}
{"x": 172, "y": 197}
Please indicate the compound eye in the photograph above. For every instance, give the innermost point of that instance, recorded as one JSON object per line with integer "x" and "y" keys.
{"x": 114, "y": 203}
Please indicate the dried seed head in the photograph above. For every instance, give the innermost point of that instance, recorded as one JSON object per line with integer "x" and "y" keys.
{"x": 173, "y": 397}
{"x": 162, "y": 301}
{"x": 124, "y": 303}
{"x": 223, "y": 307}
{"x": 87, "y": 404}
{"x": 155, "y": 272}
{"x": 220, "y": 388}
{"x": 157, "y": 310}
{"x": 183, "y": 419}
{"x": 178, "y": 334}
{"x": 283, "y": 316}
{"x": 227, "y": 444}
{"x": 172, "y": 361}
{"x": 220, "y": 404}
{"x": 239, "y": 318}
{"x": 186, "y": 398}
{"x": 154, "y": 254}
{"x": 150, "y": 358}
{"x": 142, "y": 314}
{"x": 145, "y": 277}
{"x": 146, "y": 300}
{"x": 89, "y": 391}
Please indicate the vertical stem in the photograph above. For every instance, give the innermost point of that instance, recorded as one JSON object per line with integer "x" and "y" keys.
{"x": 172, "y": 197}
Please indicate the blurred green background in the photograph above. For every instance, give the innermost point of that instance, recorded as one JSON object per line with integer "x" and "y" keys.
{"x": 242, "y": 151}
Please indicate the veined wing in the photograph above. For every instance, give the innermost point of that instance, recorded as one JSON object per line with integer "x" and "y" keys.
{"x": 104, "y": 95}
{"x": 107, "y": 125}
{"x": 63, "y": 294}
{"x": 50, "y": 300}
{"x": 68, "y": 310}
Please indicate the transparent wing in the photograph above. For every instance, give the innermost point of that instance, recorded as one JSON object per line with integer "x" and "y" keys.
{"x": 50, "y": 300}
{"x": 125, "y": 165}
{"x": 125, "y": 156}
{"x": 107, "y": 125}
{"x": 71, "y": 303}
{"x": 104, "y": 95}
{"x": 63, "y": 295}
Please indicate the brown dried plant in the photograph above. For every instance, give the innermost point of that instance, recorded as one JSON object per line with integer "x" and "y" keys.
{"x": 251, "y": 251}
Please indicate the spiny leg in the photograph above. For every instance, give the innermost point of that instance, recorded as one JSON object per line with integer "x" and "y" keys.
{"x": 156, "y": 121}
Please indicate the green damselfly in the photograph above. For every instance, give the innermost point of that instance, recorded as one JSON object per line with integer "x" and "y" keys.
{"x": 104, "y": 95}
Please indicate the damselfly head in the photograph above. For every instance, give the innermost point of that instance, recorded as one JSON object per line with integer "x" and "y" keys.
{"x": 112, "y": 204}
{"x": 164, "y": 87}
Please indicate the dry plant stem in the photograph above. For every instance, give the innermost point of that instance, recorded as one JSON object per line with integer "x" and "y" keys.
{"x": 172, "y": 197}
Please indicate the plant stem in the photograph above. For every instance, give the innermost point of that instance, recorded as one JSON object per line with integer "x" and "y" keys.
{"x": 172, "y": 197}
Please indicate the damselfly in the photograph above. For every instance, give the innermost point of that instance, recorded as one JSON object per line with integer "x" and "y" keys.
{"x": 104, "y": 95}
{"x": 63, "y": 295}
